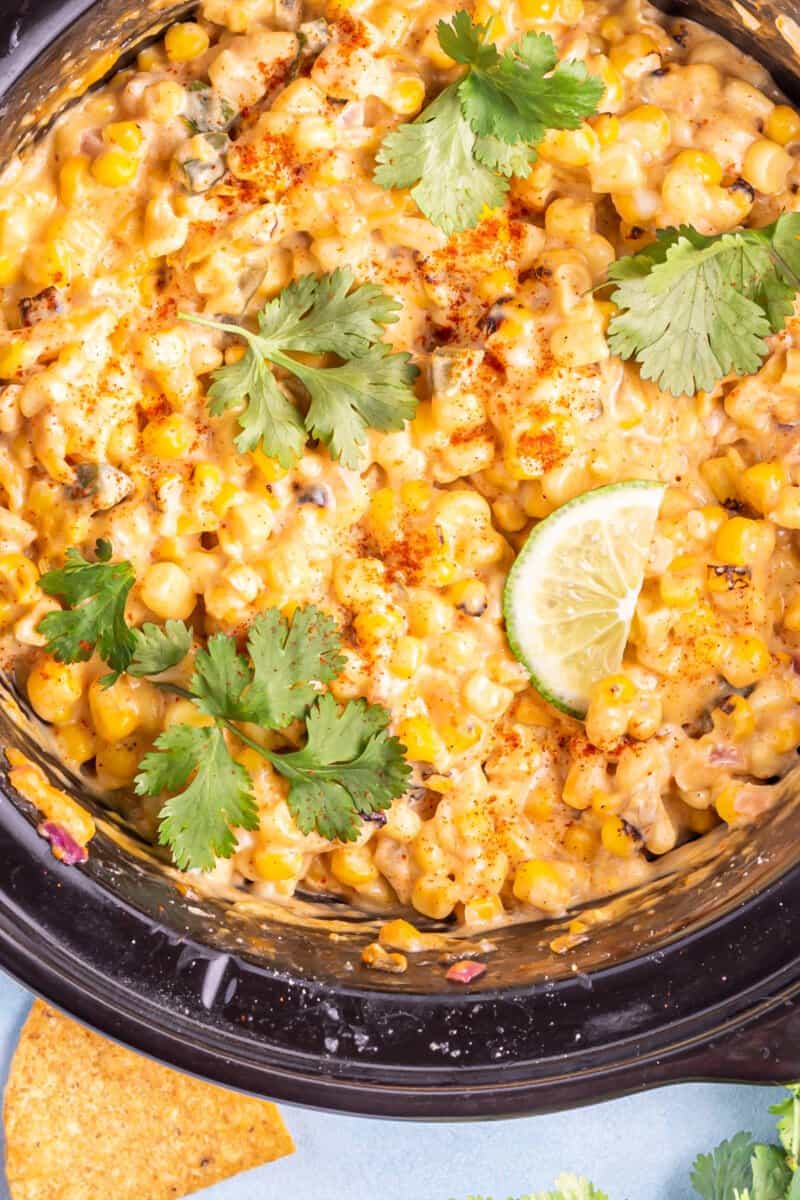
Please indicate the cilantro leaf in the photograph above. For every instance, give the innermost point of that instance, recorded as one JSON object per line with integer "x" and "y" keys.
{"x": 460, "y": 152}
{"x": 771, "y": 1174}
{"x": 570, "y": 1187}
{"x": 268, "y": 419}
{"x": 286, "y": 659}
{"x": 197, "y": 823}
{"x": 327, "y": 314}
{"x": 371, "y": 387}
{"x": 157, "y": 649}
{"x": 435, "y": 157}
{"x": 693, "y": 309}
{"x": 788, "y": 1113}
{"x": 519, "y": 96}
{"x": 719, "y": 1175}
{"x": 96, "y": 593}
{"x": 372, "y": 391}
{"x": 220, "y": 678}
{"x": 349, "y": 766}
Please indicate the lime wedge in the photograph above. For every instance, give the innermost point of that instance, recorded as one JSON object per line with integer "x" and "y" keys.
{"x": 570, "y": 596}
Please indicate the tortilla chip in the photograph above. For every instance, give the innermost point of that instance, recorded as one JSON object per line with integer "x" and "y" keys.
{"x": 86, "y": 1119}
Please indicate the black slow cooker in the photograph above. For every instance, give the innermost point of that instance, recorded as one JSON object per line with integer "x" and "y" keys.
{"x": 695, "y": 975}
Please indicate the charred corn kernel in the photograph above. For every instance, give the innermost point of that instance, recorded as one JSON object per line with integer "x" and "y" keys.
{"x": 701, "y": 163}
{"x": 18, "y": 578}
{"x": 422, "y": 742}
{"x": 614, "y": 689}
{"x": 407, "y": 96}
{"x": 470, "y": 596}
{"x": 276, "y": 866}
{"x": 581, "y": 842}
{"x": 125, "y": 134}
{"x": 115, "y": 711}
{"x": 682, "y": 582}
{"x": 546, "y": 885}
{"x": 747, "y": 660}
{"x": 631, "y": 51}
{"x": 402, "y": 935}
{"x": 740, "y": 541}
{"x": 406, "y": 658}
{"x": 783, "y": 125}
{"x": 435, "y": 896}
{"x": 606, "y": 128}
{"x": 618, "y": 837}
{"x": 701, "y": 820}
{"x": 648, "y": 126}
{"x": 55, "y": 689}
{"x": 569, "y": 147}
{"x": 605, "y": 803}
{"x": 170, "y": 437}
{"x": 167, "y": 591}
{"x": 765, "y": 166}
{"x": 384, "y": 624}
{"x": 483, "y": 910}
{"x": 760, "y": 485}
{"x": 791, "y": 615}
{"x": 76, "y": 742}
{"x": 501, "y": 282}
{"x": 115, "y": 167}
{"x": 72, "y": 179}
{"x": 725, "y": 803}
{"x": 416, "y": 494}
{"x": 185, "y": 41}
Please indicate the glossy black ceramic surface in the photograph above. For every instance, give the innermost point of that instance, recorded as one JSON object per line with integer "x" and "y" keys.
{"x": 695, "y": 976}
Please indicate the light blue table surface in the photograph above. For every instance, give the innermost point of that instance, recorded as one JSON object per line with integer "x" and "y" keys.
{"x": 639, "y": 1148}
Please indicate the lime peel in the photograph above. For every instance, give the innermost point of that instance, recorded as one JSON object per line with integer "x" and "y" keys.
{"x": 571, "y": 594}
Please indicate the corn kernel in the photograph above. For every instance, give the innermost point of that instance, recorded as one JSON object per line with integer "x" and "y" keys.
{"x": 400, "y": 934}
{"x": 618, "y": 837}
{"x": 353, "y": 866}
{"x": 606, "y": 128}
{"x": 581, "y": 842}
{"x": 501, "y": 282}
{"x": 739, "y": 541}
{"x": 540, "y": 803}
{"x": 276, "y": 866}
{"x": 416, "y": 494}
{"x": 699, "y": 162}
{"x": 569, "y": 147}
{"x": 115, "y": 167}
{"x": 170, "y": 437}
{"x": 543, "y": 884}
{"x": 76, "y": 742}
{"x": 783, "y": 125}
{"x": 186, "y": 41}
{"x": 682, "y": 582}
{"x": 406, "y": 658}
{"x": 538, "y": 10}
{"x": 725, "y": 803}
{"x": 432, "y": 50}
{"x": 125, "y": 134}
{"x": 115, "y": 712}
{"x": 612, "y": 28}
{"x": 434, "y": 896}
{"x": 648, "y": 126}
{"x": 614, "y": 689}
{"x": 791, "y": 615}
{"x": 421, "y": 740}
{"x": 738, "y": 712}
{"x": 765, "y": 166}
{"x": 605, "y": 803}
{"x": 167, "y": 591}
{"x": 407, "y": 96}
{"x": 747, "y": 660}
{"x": 55, "y": 690}
{"x": 269, "y": 468}
{"x": 631, "y": 51}
{"x": 760, "y": 485}
{"x": 785, "y": 736}
{"x": 380, "y": 624}
{"x": 701, "y": 820}
{"x": 72, "y": 179}
{"x": 18, "y": 579}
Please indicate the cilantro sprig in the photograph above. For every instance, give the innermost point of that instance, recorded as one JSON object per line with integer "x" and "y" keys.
{"x": 460, "y": 153}
{"x": 348, "y": 767}
{"x": 693, "y": 309}
{"x": 371, "y": 386}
